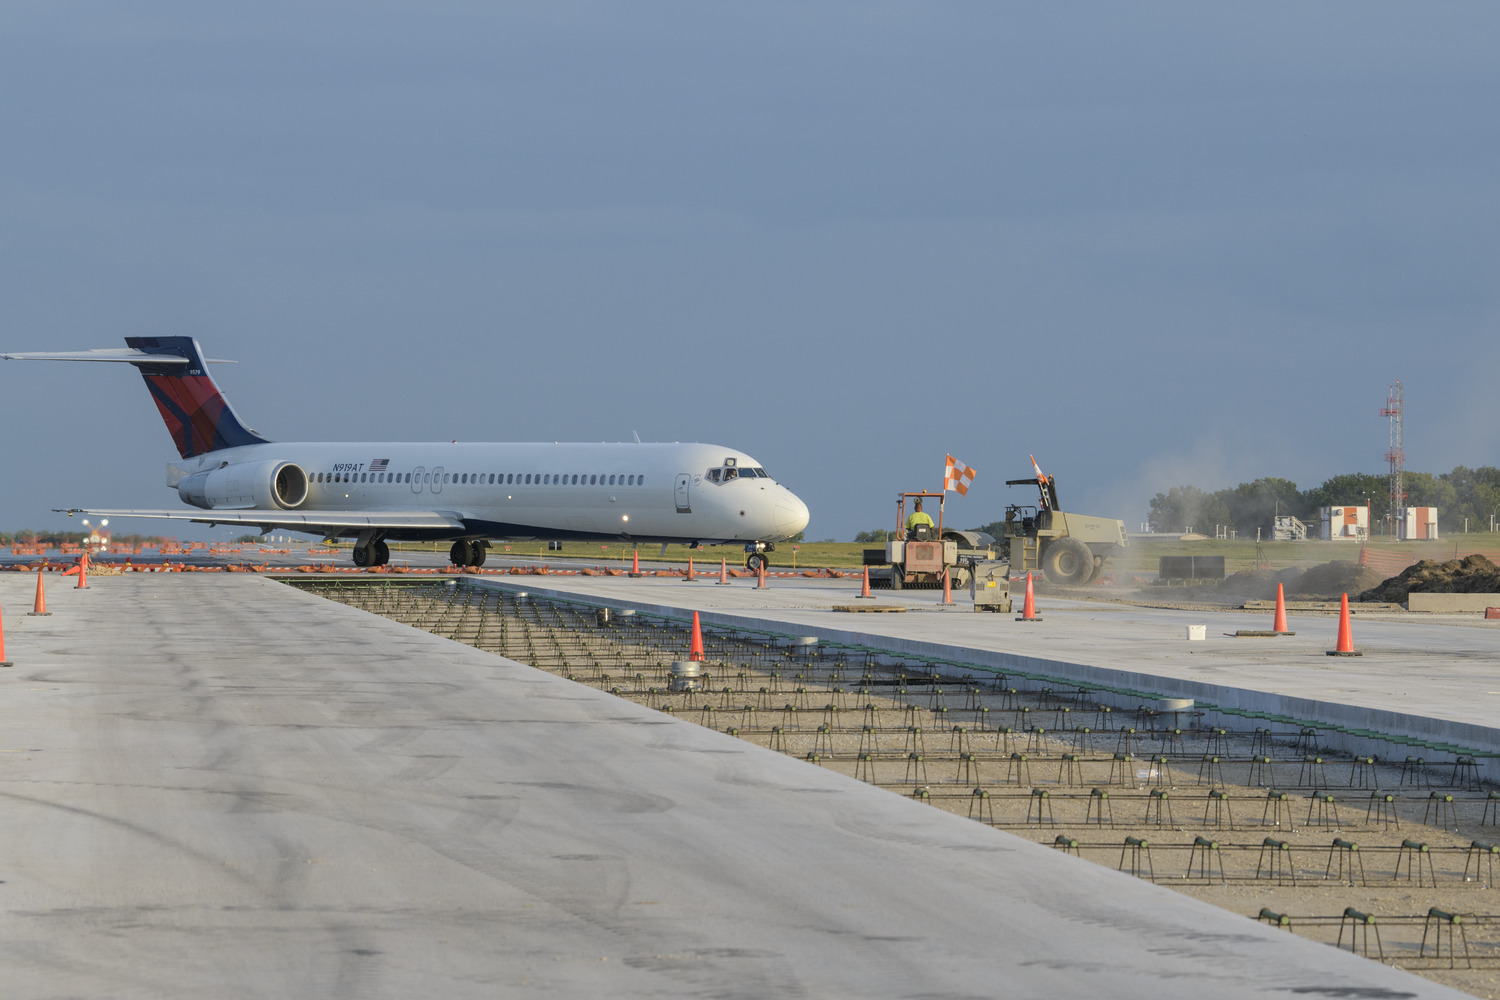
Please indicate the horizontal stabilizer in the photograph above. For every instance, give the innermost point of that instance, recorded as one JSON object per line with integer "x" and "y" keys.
{"x": 297, "y": 520}
{"x": 127, "y": 355}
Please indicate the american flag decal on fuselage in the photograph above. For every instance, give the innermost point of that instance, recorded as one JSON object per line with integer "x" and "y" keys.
{"x": 379, "y": 465}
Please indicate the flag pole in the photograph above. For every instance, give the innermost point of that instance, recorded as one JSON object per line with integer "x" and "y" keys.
{"x": 943, "y": 495}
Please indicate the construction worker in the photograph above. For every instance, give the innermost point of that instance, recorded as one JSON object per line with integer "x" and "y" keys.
{"x": 918, "y": 519}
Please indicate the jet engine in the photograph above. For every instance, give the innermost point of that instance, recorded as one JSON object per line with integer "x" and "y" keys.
{"x": 258, "y": 485}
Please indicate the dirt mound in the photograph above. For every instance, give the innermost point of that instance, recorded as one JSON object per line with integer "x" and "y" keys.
{"x": 1470, "y": 575}
{"x": 1258, "y": 584}
{"x": 1332, "y": 579}
{"x": 1326, "y": 581}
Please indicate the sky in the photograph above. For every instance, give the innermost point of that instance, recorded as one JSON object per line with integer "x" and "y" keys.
{"x": 1151, "y": 244}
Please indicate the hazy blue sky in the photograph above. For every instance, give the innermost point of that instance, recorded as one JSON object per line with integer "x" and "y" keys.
{"x": 1151, "y": 243}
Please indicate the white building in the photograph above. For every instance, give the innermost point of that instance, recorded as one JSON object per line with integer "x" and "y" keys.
{"x": 1417, "y": 524}
{"x": 1347, "y": 523}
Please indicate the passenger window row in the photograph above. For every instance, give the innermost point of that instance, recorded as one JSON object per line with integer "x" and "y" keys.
{"x": 479, "y": 478}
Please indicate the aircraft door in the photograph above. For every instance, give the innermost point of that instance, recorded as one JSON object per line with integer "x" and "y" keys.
{"x": 416, "y": 478}
{"x": 681, "y": 492}
{"x": 437, "y": 479}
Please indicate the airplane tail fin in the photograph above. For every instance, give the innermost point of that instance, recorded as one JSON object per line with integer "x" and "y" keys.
{"x": 196, "y": 413}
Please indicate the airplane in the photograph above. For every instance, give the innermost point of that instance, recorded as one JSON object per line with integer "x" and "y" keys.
{"x": 468, "y": 493}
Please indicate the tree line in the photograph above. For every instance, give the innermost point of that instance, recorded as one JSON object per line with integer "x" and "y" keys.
{"x": 52, "y": 539}
{"x": 1463, "y": 493}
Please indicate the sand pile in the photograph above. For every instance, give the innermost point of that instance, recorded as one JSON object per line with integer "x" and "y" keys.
{"x": 1470, "y": 575}
{"x": 1324, "y": 582}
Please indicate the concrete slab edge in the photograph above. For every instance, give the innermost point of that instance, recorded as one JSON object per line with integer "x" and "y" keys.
{"x": 1350, "y": 728}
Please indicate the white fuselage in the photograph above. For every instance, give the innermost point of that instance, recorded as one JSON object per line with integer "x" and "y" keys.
{"x": 646, "y": 492}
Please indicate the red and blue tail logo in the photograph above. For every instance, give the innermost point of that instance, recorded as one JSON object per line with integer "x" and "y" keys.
{"x": 198, "y": 416}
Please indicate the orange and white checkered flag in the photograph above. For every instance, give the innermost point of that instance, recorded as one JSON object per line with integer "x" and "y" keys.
{"x": 957, "y": 476}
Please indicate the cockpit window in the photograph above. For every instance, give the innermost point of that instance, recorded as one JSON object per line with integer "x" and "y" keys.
{"x": 728, "y": 473}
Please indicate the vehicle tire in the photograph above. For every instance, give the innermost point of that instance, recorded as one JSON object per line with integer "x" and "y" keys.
{"x": 755, "y": 560}
{"x": 382, "y": 554}
{"x": 1068, "y": 561}
{"x": 898, "y": 576}
{"x": 461, "y": 553}
{"x": 364, "y": 555}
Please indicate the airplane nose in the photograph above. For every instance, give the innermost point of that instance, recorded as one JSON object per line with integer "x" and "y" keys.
{"x": 791, "y": 515}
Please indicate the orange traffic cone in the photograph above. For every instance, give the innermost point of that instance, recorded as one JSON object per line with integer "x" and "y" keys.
{"x": 760, "y": 574}
{"x": 695, "y": 651}
{"x": 864, "y": 591}
{"x": 1028, "y": 610}
{"x": 635, "y": 563}
{"x": 691, "y": 573}
{"x": 723, "y": 573}
{"x": 1278, "y": 623}
{"x": 83, "y": 572}
{"x": 947, "y": 588}
{"x": 3, "y": 661}
{"x": 40, "y": 607}
{"x": 1345, "y": 645}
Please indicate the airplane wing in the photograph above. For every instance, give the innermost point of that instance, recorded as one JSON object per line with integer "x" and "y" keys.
{"x": 296, "y": 520}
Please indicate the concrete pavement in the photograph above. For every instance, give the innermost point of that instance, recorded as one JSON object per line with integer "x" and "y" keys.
{"x": 219, "y": 786}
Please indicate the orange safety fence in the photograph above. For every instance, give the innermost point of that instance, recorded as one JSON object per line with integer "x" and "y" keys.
{"x": 1393, "y": 563}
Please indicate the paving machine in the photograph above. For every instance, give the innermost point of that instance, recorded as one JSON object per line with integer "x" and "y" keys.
{"x": 1068, "y": 548}
{"x": 920, "y": 557}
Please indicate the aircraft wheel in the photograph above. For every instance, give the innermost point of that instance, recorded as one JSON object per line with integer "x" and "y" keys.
{"x": 461, "y": 553}
{"x": 755, "y": 560}
{"x": 480, "y": 550}
{"x": 382, "y": 554}
{"x": 363, "y": 556}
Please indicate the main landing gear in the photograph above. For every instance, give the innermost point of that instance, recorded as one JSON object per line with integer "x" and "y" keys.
{"x": 372, "y": 553}
{"x": 468, "y": 552}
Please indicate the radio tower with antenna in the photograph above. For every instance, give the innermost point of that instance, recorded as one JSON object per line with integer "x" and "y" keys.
{"x": 1395, "y": 456}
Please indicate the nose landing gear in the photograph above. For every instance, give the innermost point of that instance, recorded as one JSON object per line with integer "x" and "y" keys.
{"x": 755, "y": 555}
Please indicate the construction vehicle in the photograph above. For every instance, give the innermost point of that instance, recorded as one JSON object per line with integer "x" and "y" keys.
{"x": 921, "y": 557}
{"x": 1068, "y": 548}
